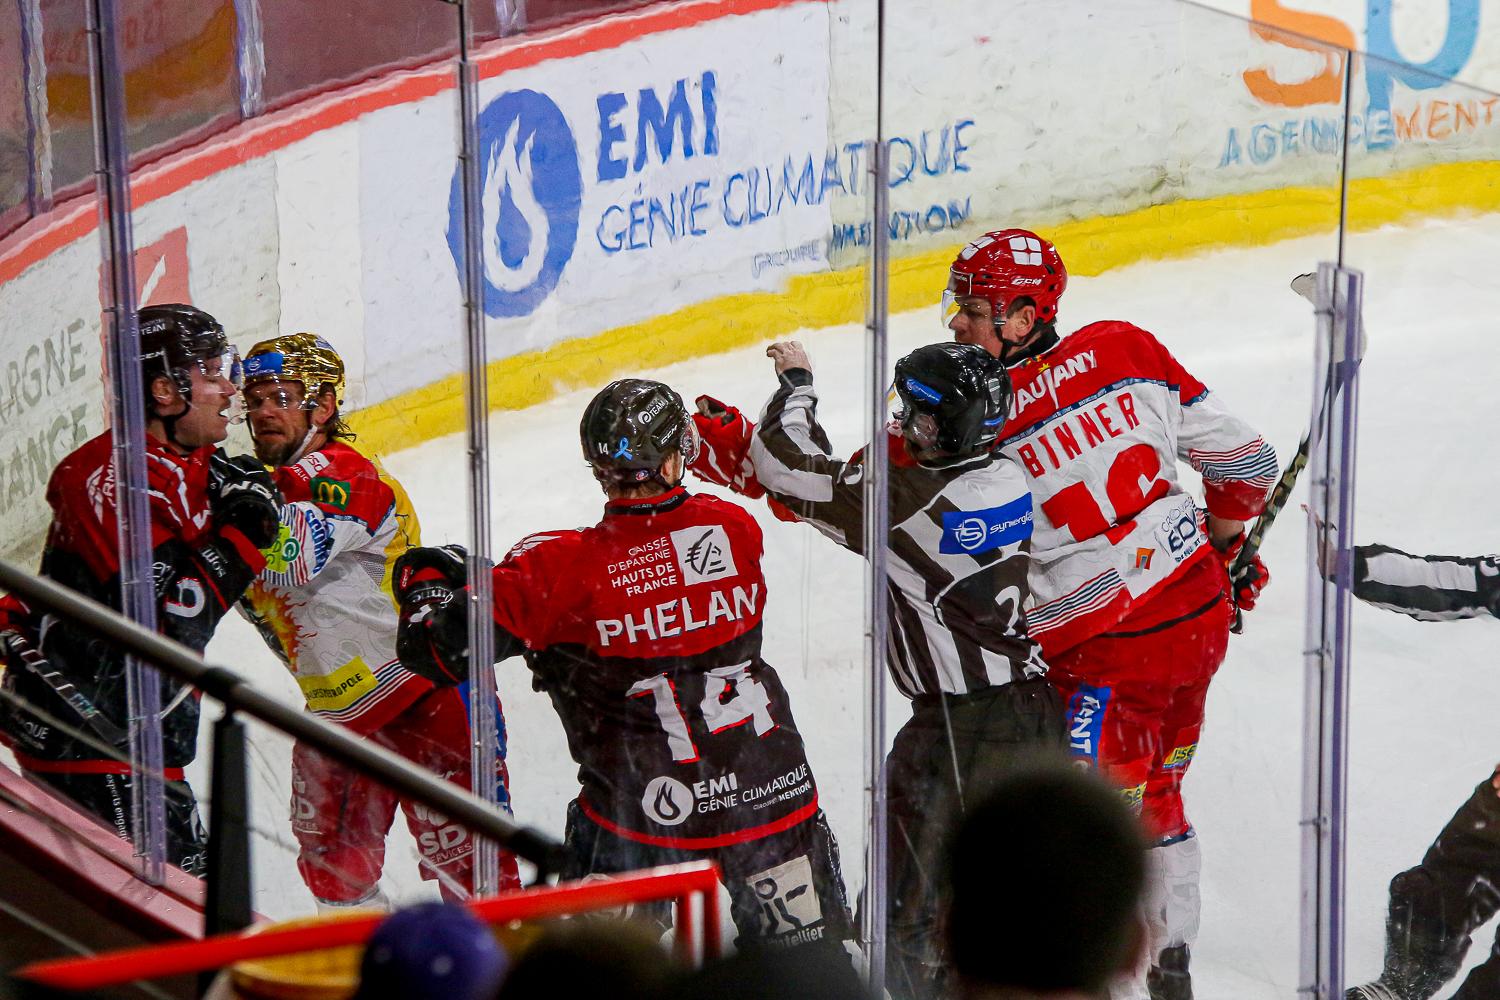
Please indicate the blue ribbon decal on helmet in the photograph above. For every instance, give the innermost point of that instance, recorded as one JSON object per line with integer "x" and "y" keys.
{"x": 623, "y": 450}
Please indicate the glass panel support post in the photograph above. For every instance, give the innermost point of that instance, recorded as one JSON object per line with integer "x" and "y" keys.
{"x": 128, "y": 425}
{"x": 1330, "y": 561}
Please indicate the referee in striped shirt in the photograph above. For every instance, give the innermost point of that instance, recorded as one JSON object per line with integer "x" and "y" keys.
{"x": 957, "y": 646}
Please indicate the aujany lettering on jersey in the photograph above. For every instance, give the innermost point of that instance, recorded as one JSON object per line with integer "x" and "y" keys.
{"x": 1048, "y": 379}
{"x": 1084, "y": 427}
{"x": 679, "y": 615}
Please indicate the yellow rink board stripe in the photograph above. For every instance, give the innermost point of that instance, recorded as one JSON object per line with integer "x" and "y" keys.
{"x": 1089, "y": 246}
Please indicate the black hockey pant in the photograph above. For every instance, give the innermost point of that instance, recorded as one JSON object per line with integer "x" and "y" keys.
{"x": 954, "y": 748}
{"x": 1437, "y": 905}
{"x": 785, "y": 889}
{"x": 109, "y": 796}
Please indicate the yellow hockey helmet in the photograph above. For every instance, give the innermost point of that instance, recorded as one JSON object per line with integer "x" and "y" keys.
{"x": 305, "y": 358}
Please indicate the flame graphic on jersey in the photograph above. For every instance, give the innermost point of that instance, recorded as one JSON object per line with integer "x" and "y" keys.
{"x": 273, "y": 617}
{"x": 665, "y": 806}
{"x": 515, "y": 245}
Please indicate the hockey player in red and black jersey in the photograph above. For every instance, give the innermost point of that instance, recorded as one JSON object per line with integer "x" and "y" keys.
{"x": 1131, "y": 597}
{"x": 210, "y": 516}
{"x": 645, "y": 632}
{"x": 324, "y": 605}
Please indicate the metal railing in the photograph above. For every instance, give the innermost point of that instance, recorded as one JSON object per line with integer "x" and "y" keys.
{"x": 698, "y": 880}
{"x": 228, "y": 879}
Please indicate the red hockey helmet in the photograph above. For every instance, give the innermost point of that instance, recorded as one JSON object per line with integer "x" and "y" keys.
{"x": 1002, "y": 266}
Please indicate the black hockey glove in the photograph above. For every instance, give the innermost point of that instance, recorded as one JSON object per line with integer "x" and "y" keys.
{"x": 243, "y": 496}
{"x": 432, "y": 640}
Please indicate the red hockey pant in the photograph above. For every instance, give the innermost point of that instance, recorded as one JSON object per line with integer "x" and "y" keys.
{"x": 1135, "y": 708}
{"x": 341, "y": 817}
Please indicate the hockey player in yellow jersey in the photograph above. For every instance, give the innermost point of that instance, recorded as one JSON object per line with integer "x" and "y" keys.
{"x": 324, "y": 605}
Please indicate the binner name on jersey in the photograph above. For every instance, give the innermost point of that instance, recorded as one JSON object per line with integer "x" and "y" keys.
{"x": 680, "y": 615}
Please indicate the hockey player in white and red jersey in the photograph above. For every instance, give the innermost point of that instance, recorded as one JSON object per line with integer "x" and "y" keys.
{"x": 324, "y": 605}
{"x": 1131, "y": 599}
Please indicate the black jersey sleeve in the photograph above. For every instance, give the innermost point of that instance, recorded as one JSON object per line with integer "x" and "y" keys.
{"x": 197, "y": 583}
{"x": 1429, "y": 588}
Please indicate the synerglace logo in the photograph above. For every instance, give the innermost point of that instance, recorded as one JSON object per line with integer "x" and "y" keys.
{"x": 530, "y": 193}
{"x": 971, "y": 533}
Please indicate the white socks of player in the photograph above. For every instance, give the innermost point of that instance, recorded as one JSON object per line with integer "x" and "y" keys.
{"x": 1174, "y": 903}
{"x": 1172, "y": 908}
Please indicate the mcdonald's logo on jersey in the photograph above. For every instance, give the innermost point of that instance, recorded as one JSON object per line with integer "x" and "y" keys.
{"x": 331, "y": 492}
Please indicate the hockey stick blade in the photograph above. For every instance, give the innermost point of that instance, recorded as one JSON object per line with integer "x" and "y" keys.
{"x": 29, "y": 657}
{"x": 1304, "y": 285}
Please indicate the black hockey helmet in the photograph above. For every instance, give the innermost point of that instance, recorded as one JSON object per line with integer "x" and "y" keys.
{"x": 631, "y": 427}
{"x": 954, "y": 397}
{"x": 175, "y": 338}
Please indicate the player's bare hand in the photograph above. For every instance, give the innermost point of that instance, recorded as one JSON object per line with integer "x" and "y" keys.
{"x": 788, "y": 354}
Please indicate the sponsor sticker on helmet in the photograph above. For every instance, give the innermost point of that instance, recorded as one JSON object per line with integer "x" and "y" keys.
{"x": 925, "y": 393}
{"x": 268, "y": 363}
{"x": 974, "y": 532}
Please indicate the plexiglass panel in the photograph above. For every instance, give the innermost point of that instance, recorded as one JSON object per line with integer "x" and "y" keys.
{"x": 179, "y": 60}
{"x": 1420, "y": 226}
{"x": 1180, "y": 208}
{"x": 15, "y": 134}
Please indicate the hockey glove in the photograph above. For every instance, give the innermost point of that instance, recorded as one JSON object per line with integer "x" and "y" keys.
{"x": 432, "y": 639}
{"x": 243, "y": 496}
{"x": 1253, "y": 576}
{"x": 724, "y": 457}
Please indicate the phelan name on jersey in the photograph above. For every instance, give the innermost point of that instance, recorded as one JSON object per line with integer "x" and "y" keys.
{"x": 680, "y": 615}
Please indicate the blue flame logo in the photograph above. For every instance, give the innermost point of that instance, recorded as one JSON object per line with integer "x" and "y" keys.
{"x": 530, "y": 194}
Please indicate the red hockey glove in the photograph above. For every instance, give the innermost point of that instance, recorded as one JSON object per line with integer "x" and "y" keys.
{"x": 724, "y": 457}
{"x": 432, "y": 639}
{"x": 1253, "y": 577}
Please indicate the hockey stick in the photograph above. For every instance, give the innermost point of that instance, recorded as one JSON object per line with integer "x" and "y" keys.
{"x": 1304, "y": 285}
{"x": 31, "y": 658}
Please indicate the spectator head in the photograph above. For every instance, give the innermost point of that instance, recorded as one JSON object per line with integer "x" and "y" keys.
{"x": 432, "y": 951}
{"x": 591, "y": 957}
{"x": 1047, "y": 877}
